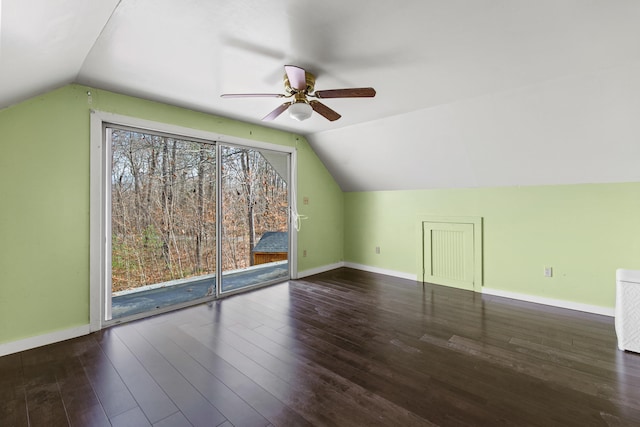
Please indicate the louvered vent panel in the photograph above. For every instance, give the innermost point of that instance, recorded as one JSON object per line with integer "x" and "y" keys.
{"x": 447, "y": 254}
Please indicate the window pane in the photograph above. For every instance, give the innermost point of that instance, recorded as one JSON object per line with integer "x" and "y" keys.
{"x": 255, "y": 205}
{"x": 163, "y": 222}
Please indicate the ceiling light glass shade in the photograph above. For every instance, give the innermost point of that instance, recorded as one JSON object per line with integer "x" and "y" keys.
{"x": 300, "y": 111}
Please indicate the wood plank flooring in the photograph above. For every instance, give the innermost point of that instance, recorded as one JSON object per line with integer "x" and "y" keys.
{"x": 343, "y": 348}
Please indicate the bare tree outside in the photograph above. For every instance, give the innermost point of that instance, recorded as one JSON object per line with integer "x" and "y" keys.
{"x": 163, "y": 193}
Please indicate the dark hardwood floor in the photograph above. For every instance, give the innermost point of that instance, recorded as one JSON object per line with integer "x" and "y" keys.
{"x": 344, "y": 348}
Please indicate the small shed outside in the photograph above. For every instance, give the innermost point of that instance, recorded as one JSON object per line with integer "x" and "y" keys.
{"x": 273, "y": 246}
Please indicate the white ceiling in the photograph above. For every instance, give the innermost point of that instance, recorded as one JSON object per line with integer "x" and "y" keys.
{"x": 469, "y": 92}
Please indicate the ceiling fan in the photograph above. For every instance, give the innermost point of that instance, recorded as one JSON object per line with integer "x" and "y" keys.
{"x": 300, "y": 85}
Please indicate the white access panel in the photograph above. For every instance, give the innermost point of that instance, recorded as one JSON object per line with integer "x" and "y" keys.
{"x": 448, "y": 254}
{"x": 628, "y": 309}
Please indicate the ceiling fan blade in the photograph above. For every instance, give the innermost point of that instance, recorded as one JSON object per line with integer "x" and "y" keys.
{"x": 252, "y": 95}
{"x": 356, "y": 92}
{"x": 297, "y": 77}
{"x": 324, "y": 111}
{"x": 275, "y": 113}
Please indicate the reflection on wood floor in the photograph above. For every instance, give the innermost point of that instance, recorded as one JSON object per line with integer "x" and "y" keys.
{"x": 344, "y": 348}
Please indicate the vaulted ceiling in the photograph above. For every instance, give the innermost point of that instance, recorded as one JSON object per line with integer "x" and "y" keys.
{"x": 470, "y": 93}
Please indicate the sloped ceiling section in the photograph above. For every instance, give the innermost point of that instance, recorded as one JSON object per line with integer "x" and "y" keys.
{"x": 470, "y": 93}
{"x": 43, "y": 43}
{"x": 578, "y": 129}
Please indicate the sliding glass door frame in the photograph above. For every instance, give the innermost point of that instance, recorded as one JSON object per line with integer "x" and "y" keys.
{"x": 100, "y": 207}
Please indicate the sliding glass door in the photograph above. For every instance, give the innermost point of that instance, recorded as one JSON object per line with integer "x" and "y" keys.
{"x": 189, "y": 220}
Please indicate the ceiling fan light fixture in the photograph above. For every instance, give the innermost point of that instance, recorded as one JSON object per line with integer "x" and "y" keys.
{"x": 300, "y": 111}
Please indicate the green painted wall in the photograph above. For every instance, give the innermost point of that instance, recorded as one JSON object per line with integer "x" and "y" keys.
{"x": 44, "y": 202}
{"x": 584, "y": 232}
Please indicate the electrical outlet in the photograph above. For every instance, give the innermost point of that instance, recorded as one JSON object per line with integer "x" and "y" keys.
{"x": 548, "y": 272}
{"x": 304, "y": 253}
{"x": 378, "y": 250}
{"x": 305, "y": 200}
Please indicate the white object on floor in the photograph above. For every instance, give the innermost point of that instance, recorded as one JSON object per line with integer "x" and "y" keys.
{"x": 628, "y": 309}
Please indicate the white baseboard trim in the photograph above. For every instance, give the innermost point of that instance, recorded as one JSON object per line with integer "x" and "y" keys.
{"x": 319, "y": 270}
{"x": 40, "y": 340}
{"x": 595, "y": 309}
{"x": 371, "y": 269}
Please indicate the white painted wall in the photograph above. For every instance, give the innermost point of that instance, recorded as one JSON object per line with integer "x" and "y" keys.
{"x": 578, "y": 129}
